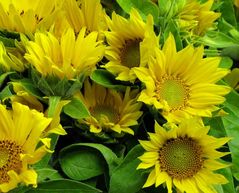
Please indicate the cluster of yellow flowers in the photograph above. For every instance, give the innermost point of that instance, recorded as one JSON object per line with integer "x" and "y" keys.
{"x": 68, "y": 38}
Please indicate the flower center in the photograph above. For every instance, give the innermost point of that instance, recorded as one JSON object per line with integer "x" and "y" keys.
{"x": 174, "y": 91}
{"x": 130, "y": 53}
{"x": 105, "y": 110}
{"x": 9, "y": 159}
{"x": 181, "y": 157}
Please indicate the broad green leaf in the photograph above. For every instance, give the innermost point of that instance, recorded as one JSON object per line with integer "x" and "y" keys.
{"x": 231, "y": 123}
{"x": 172, "y": 28}
{"x": 109, "y": 156}
{"x": 146, "y": 7}
{"x": 226, "y": 62}
{"x": 81, "y": 163}
{"x": 218, "y": 40}
{"x": 228, "y": 13}
{"x": 45, "y": 174}
{"x": 76, "y": 109}
{"x": 229, "y": 187}
{"x": 126, "y": 178}
{"x": 63, "y": 186}
{"x": 106, "y": 79}
{"x": 126, "y": 5}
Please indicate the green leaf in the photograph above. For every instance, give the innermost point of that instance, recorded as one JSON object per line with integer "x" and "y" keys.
{"x": 232, "y": 52}
{"x": 172, "y": 28}
{"x": 7, "y": 41}
{"x": 6, "y": 93}
{"x": 76, "y": 109}
{"x": 45, "y": 174}
{"x": 228, "y": 13}
{"x": 53, "y": 102}
{"x": 4, "y": 76}
{"x": 81, "y": 163}
{"x": 64, "y": 186}
{"x": 31, "y": 88}
{"x": 106, "y": 79}
{"x": 126, "y": 178}
{"x": 218, "y": 40}
{"x": 229, "y": 187}
{"x": 109, "y": 156}
{"x": 226, "y": 62}
{"x": 147, "y": 7}
{"x": 231, "y": 124}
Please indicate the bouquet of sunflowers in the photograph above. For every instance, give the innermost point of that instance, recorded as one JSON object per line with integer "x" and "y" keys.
{"x": 125, "y": 96}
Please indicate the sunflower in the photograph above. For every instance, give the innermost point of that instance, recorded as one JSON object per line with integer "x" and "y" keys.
{"x": 68, "y": 57}
{"x": 109, "y": 109}
{"x": 182, "y": 84}
{"x": 131, "y": 42}
{"x": 21, "y": 145}
{"x": 85, "y": 13}
{"x": 196, "y": 17}
{"x": 26, "y": 16}
{"x": 185, "y": 156}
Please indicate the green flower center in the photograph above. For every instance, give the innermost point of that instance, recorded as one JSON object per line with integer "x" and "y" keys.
{"x": 130, "y": 53}
{"x": 108, "y": 111}
{"x": 181, "y": 157}
{"x": 9, "y": 159}
{"x": 174, "y": 91}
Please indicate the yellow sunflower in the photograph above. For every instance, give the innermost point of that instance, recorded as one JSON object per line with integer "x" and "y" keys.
{"x": 131, "y": 42}
{"x": 109, "y": 109}
{"x": 21, "y": 145}
{"x": 182, "y": 84}
{"x": 67, "y": 57}
{"x": 196, "y": 17}
{"x": 26, "y": 16}
{"x": 185, "y": 156}
{"x": 85, "y": 13}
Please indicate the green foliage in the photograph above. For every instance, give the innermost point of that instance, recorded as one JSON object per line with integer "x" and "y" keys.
{"x": 126, "y": 178}
{"x": 76, "y": 109}
{"x": 63, "y": 186}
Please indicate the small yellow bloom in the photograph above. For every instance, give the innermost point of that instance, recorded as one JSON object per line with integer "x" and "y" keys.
{"x": 21, "y": 145}
{"x": 184, "y": 157}
{"x": 109, "y": 109}
{"x": 69, "y": 56}
{"x": 85, "y": 13}
{"x": 196, "y": 17}
{"x": 182, "y": 84}
{"x": 131, "y": 42}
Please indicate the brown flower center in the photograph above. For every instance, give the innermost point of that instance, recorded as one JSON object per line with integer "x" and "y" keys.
{"x": 130, "y": 53}
{"x": 9, "y": 159}
{"x": 105, "y": 110}
{"x": 181, "y": 157}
